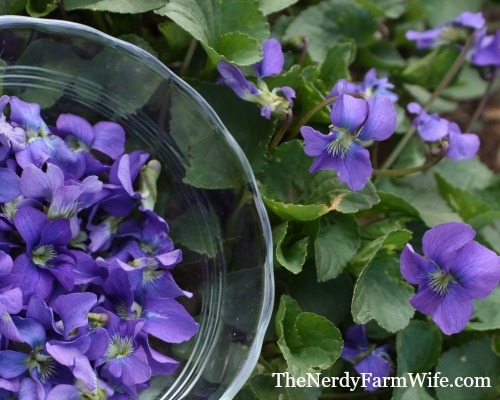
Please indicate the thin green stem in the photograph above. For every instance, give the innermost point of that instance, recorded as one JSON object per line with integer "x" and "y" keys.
{"x": 480, "y": 108}
{"x": 284, "y": 127}
{"x": 308, "y": 115}
{"x": 188, "y": 57}
{"x": 442, "y": 85}
{"x": 407, "y": 171}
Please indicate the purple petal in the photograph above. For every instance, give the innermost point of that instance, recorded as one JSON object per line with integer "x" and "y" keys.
{"x": 73, "y": 309}
{"x": 381, "y": 121}
{"x": 158, "y": 362}
{"x": 265, "y": 111}
{"x": 8, "y": 329}
{"x": 288, "y": 92}
{"x": 426, "y": 38}
{"x": 32, "y": 332}
{"x": 64, "y": 392}
{"x": 63, "y": 273}
{"x": 33, "y": 280}
{"x": 273, "y": 60}
{"x": 170, "y": 259}
{"x": 30, "y": 223}
{"x": 462, "y": 145}
{"x": 489, "y": 54}
{"x": 12, "y": 364}
{"x": 133, "y": 369}
{"x": 38, "y": 184}
{"x": 11, "y": 301}
{"x": 441, "y": 243}
{"x": 375, "y": 364}
{"x": 342, "y": 86}
{"x": 348, "y": 112}
{"x": 162, "y": 286}
{"x": 470, "y": 20}
{"x": 36, "y": 152}
{"x": 70, "y": 162}
{"x": 9, "y": 185}
{"x": 26, "y": 114}
{"x": 426, "y": 300}
{"x": 40, "y": 312}
{"x": 234, "y": 78}
{"x": 454, "y": 310}
{"x": 477, "y": 269}
{"x": 355, "y": 167}
{"x": 4, "y": 100}
{"x": 56, "y": 232}
{"x": 75, "y": 126}
{"x": 315, "y": 142}
{"x": 168, "y": 320}
{"x": 414, "y": 108}
{"x": 109, "y": 139}
{"x": 355, "y": 342}
{"x": 414, "y": 267}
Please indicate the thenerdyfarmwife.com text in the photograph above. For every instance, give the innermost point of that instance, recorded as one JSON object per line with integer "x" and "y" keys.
{"x": 352, "y": 382}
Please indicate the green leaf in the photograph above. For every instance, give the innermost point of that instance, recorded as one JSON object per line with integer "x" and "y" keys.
{"x": 429, "y": 70}
{"x": 117, "y": 6}
{"x": 226, "y": 29}
{"x": 475, "y": 359}
{"x": 470, "y": 85}
{"x": 309, "y": 342}
{"x": 449, "y": 10}
{"x": 381, "y": 295}
{"x": 8, "y": 7}
{"x": 385, "y": 8}
{"x": 335, "y": 66}
{"x": 264, "y": 386}
{"x": 289, "y": 253}
{"x": 486, "y": 313}
{"x": 337, "y": 242}
{"x": 385, "y": 246}
{"x": 418, "y": 194}
{"x": 177, "y": 38}
{"x": 418, "y": 347}
{"x": 197, "y": 229}
{"x": 289, "y": 190}
{"x": 330, "y": 22}
{"x": 241, "y": 118}
{"x": 272, "y": 6}
{"x": 139, "y": 42}
{"x": 40, "y": 8}
{"x": 330, "y": 299}
{"x": 382, "y": 54}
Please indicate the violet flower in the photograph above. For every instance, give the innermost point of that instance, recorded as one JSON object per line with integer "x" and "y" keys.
{"x": 365, "y": 358}
{"x": 354, "y": 120}
{"x": 451, "y": 31}
{"x": 433, "y": 128}
{"x": 371, "y": 86}
{"x": 487, "y": 52}
{"x": 455, "y": 270}
{"x": 271, "y": 64}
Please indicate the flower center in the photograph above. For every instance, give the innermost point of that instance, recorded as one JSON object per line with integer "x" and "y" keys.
{"x": 44, "y": 365}
{"x": 341, "y": 145}
{"x": 43, "y": 254}
{"x": 120, "y": 347}
{"x": 75, "y": 144}
{"x": 439, "y": 282}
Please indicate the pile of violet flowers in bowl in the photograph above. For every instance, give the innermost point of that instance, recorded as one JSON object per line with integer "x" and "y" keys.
{"x": 86, "y": 289}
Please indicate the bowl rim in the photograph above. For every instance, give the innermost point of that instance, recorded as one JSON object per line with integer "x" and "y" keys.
{"x": 85, "y": 32}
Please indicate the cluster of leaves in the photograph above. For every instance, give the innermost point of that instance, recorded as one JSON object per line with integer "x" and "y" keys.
{"x": 336, "y": 251}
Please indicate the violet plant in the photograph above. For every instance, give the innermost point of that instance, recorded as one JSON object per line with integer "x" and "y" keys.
{"x": 365, "y": 125}
{"x": 85, "y": 286}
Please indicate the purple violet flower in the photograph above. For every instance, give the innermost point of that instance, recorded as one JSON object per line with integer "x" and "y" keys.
{"x": 371, "y": 86}
{"x": 365, "y": 358}
{"x": 271, "y": 64}
{"x": 354, "y": 120}
{"x": 455, "y": 270}
{"x": 451, "y": 31}
{"x": 487, "y": 52}
{"x": 433, "y": 128}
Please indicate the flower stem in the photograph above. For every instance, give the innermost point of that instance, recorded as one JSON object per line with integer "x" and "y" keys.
{"x": 407, "y": 171}
{"x": 484, "y": 100}
{"x": 442, "y": 85}
{"x": 188, "y": 57}
{"x": 284, "y": 127}
{"x": 308, "y": 115}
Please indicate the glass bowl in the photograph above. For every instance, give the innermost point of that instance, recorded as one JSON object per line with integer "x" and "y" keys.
{"x": 214, "y": 211}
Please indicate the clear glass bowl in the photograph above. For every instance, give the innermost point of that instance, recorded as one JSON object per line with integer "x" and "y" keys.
{"x": 214, "y": 210}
